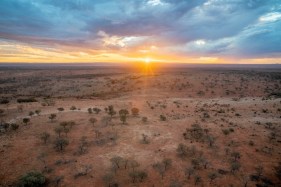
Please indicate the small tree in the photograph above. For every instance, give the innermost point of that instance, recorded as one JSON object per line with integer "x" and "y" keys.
{"x": 93, "y": 121}
{"x": 235, "y": 166}
{"x": 160, "y": 168}
{"x": 108, "y": 179}
{"x": 182, "y": 150}
{"x": 96, "y": 110}
{"x": 14, "y": 126}
{"x": 123, "y": 115}
{"x": 212, "y": 176}
{"x": 38, "y": 112}
{"x": 45, "y": 137}
{"x": 5, "y": 126}
{"x": 31, "y": 113}
{"x": 59, "y": 130}
{"x": 189, "y": 171}
{"x": 116, "y": 160}
{"x": 167, "y": 163}
{"x": 278, "y": 171}
{"x": 83, "y": 145}
{"x": 145, "y": 139}
{"x": 111, "y": 111}
{"x": 32, "y": 179}
{"x": 163, "y": 118}
{"x": 52, "y": 117}
{"x": 197, "y": 179}
{"x": 61, "y": 143}
{"x": 90, "y": 111}
{"x": 133, "y": 164}
{"x": 60, "y": 109}
{"x": 25, "y": 120}
{"x": 144, "y": 119}
{"x": 235, "y": 155}
{"x": 135, "y": 111}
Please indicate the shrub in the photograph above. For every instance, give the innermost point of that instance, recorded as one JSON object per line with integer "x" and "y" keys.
{"x": 61, "y": 143}
{"x": 25, "y": 120}
{"x": 163, "y": 118}
{"x": 93, "y": 121}
{"x": 144, "y": 119}
{"x": 60, "y": 109}
{"x": 52, "y": 117}
{"x": 14, "y": 126}
{"x": 26, "y": 100}
{"x": 135, "y": 111}
{"x": 4, "y": 101}
{"x": 32, "y": 179}
{"x": 45, "y": 136}
{"x": 73, "y": 108}
{"x": 123, "y": 115}
{"x": 90, "y": 111}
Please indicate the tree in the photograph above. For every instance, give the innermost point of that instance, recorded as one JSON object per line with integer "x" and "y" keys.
{"x": 108, "y": 179}
{"x": 32, "y": 179}
{"x": 167, "y": 163}
{"x": 116, "y": 160}
{"x": 45, "y": 137}
{"x": 2, "y": 111}
{"x": 160, "y": 168}
{"x": 278, "y": 171}
{"x": 144, "y": 119}
{"x": 235, "y": 155}
{"x": 64, "y": 124}
{"x": 66, "y": 131}
{"x": 14, "y": 126}
{"x": 189, "y": 171}
{"x": 25, "y": 120}
{"x": 61, "y": 143}
{"x": 197, "y": 179}
{"x": 123, "y": 115}
{"x": 140, "y": 175}
{"x": 235, "y": 166}
{"x": 59, "y": 130}
{"x": 90, "y": 111}
{"x": 96, "y": 110}
{"x": 31, "y": 113}
{"x": 5, "y": 126}
{"x": 60, "y": 109}
{"x": 133, "y": 164}
{"x": 93, "y": 121}
{"x": 111, "y": 111}
{"x": 52, "y": 117}
{"x": 163, "y": 118}
{"x": 135, "y": 111}
{"x": 211, "y": 140}
{"x": 38, "y": 112}
{"x": 144, "y": 139}
{"x": 182, "y": 150}
{"x": 212, "y": 176}
{"x": 83, "y": 145}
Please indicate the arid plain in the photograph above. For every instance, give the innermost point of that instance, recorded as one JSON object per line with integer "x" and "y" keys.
{"x": 171, "y": 127}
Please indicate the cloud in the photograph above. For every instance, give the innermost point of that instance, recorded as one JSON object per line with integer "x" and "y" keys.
{"x": 240, "y": 28}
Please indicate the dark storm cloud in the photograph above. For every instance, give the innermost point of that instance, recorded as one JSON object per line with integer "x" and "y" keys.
{"x": 228, "y": 27}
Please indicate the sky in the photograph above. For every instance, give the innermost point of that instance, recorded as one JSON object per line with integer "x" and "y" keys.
{"x": 172, "y": 31}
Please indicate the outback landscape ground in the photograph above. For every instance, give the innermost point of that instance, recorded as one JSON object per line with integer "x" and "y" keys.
{"x": 171, "y": 127}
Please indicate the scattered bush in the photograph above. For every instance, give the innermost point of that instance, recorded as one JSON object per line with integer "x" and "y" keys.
{"x": 26, "y": 100}
{"x": 32, "y": 179}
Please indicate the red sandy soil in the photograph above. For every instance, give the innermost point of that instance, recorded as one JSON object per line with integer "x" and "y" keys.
{"x": 237, "y": 100}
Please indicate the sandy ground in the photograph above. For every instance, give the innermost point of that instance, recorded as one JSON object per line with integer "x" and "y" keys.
{"x": 216, "y": 100}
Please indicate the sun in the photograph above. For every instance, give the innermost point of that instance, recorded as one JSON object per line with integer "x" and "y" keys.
{"x": 147, "y": 60}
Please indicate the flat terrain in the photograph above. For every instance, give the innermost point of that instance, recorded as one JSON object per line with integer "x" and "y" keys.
{"x": 195, "y": 127}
